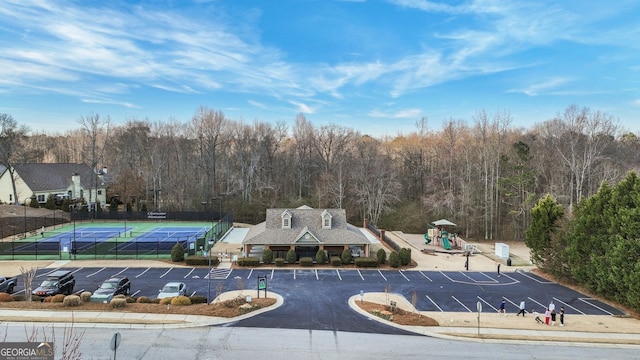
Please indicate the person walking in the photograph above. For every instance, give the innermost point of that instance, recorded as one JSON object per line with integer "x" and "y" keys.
{"x": 522, "y": 306}
{"x": 498, "y": 269}
{"x": 561, "y": 315}
{"x": 547, "y": 316}
{"x": 502, "y": 309}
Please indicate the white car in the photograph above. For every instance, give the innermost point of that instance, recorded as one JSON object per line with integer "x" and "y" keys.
{"x": 172, "y": 289}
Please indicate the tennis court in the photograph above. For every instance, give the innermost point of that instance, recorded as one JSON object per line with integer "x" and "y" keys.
{"x": 113, "y": 240}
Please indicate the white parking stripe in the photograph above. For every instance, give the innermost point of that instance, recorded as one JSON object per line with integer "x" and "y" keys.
{"x": 428, "y": 278}
{"x": 250, "y": 273}
{"x": 316, "y": 270}
{"x": 484, "y": 301}
{"x": 459, "y": 302}
{"x": 434, "y": 303}
{"x": 121, "y": 271}
{"x": 95, "y": 273}
{"x": 534, "y": 279}
{"x": 595, "y": 306}
{"x": 569, "y": 306}
{"x": 272, "y": 272}
{"x": 359, "y": 273}
{"x": 142, "y": 273}
{"x": 338, "y": 272}
{"x": 380, "y": 272}
{"x": 165, "y": 274}
{"x": 404, "y": 275}
{"x": 192, "y": 269}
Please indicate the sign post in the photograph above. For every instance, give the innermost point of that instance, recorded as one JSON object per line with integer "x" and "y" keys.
{"x": 479, "y": 306}
{"x": 115, "y": 342}
{"x": 262, "y": 285}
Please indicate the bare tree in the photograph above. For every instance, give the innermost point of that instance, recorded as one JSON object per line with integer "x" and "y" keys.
{"x": 11, "y": 139}
{"x": 28, "y": 274}
{"x": 96, "y": 132}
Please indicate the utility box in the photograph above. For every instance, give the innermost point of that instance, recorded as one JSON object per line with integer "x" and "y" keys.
{"x": 502, "y": 250}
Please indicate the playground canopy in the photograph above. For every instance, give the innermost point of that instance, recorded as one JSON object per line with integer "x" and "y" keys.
{"x": 443, "y": 222}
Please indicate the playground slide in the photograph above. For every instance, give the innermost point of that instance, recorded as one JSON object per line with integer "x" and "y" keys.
{"x": 445, "y": 243}
{"x": 427, "y": 240}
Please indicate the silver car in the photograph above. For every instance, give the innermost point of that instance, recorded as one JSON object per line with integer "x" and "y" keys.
{"x": 172, "y": 289}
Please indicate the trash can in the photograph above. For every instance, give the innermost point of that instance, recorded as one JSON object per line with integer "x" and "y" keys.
{"x": 508, "y": 261}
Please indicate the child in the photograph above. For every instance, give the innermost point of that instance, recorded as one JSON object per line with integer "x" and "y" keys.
{"x": 537, "y": 316}
{"x": 547, "y": 316}
{"x": 502, "y": 308}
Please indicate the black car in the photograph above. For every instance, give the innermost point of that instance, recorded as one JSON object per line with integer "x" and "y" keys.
{"x": 110, "y": 288}
{"x": 57, "y": 282}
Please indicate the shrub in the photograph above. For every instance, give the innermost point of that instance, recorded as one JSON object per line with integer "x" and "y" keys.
{"x": 180, "y": 301}
{"x": 4, "y": 297}
{"x": 72, "y": 300}
{"x": 165, "y": 301}
{"x": 18, "y": 297}
{"x": 177, "y": 253}
{"x": 321, "y": 257}
{"x": 85, "y": 296}
{"x": 346, "y": 257}
{"x": 267, "y": 256}
{"x": 335, "y": 261}
{"x": 120, "y": 296}
{"x": 58, "y": 298}
{"x": 291, "y": 256}
{"x": 382, "y": 256}
{"x": 198, "y": 260}
{"x": 394, "y": 259}
{"x": 118, "y": 303}
{"x": 405, "y": 256}
{"x": 235, "y": 302}
{"x": 144, "y": 300}
{"x": 48, "y": 299}
{"x": 249, "y": 261}
{"x": 130, "y": 299}
{"x": 36, "y": 298}
{"x": 279, "y": 262}
{"x": 366, "y": 262}
{"x": 198, "y": 299}
{"x": 306, "y": 261}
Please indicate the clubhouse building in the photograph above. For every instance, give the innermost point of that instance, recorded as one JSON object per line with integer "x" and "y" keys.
{"x": 305, "y": 230}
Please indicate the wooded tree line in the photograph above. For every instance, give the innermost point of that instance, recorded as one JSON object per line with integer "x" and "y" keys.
{"x": 597, "y": 245}
{"x": 485, "y": 175}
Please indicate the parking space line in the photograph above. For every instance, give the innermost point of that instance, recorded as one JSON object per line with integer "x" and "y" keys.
{"x": 434, "y": 303}
{"x": 250, "y": 273}
{"x": 96, "y": 272}
{"x": 447, "y": 276}
{"x": 537, "y": 302}
{"x": 569, "y": 306}
{"x": 400, "y": 271}
{"x": 380, "y": 272}
{"x": 359, "y": 273}
{"x": 484, "y": 301}
{"x": 338, "y": 272}
{"x": 135, "y": 293}
{"x": 509, "y": 277}
{"x": 189, "y": 273}
{"x": 121, "y": 271}
{"x": 272, "y": 272}
{"x": 47, "y": 273}
{"x": 489, "y": 277}
{"x": 166, "y": 272}
{"x": 459, "y": 302}
{"x": 142, "y": 273}
{"x": 316, "y": 270}
{"x": 428, "y": 278}
{"x": 595, "y": 306}
{"x": 534, "y": 279}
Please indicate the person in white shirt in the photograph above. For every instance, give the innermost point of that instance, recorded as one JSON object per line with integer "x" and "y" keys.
{"x": 552, "y": 310}
{"x": 522, "y": 311}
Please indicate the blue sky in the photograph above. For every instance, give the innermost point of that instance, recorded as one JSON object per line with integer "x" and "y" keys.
{"x": 374, "y": 66}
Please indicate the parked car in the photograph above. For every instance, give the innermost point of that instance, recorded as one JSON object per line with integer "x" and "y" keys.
{"x": 57, "y": 282}
{"x": 172, "y": 289}
{"x": 110, "y": 288}
{"x": 7, "y": 284}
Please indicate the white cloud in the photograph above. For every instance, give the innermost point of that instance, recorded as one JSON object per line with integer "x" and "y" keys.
{"x": 398, "y": 114}
{"x": 542, "y": 87}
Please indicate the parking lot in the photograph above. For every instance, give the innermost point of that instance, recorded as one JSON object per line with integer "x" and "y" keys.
{"x": 445, "y": 291}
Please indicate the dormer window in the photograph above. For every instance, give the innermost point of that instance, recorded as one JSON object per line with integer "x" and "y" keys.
{"x": 286, "y": 219}
{"x": 326, "y": 220}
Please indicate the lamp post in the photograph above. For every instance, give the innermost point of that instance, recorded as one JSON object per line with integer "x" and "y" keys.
{"x": 209, "y": 275}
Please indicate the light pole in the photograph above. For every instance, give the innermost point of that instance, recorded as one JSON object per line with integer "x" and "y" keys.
{"x": 24, "y": 203}
{"x": 209, "y": 275}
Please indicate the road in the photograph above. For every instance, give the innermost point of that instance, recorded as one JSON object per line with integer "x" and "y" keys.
{"x": 231, "y": 343}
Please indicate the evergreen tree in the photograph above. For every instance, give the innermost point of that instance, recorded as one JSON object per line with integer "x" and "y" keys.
{"x": 544, "y": 223}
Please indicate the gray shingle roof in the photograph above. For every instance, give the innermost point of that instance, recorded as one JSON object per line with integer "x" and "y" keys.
{"x": 53, "y": 177}
{"x": 303, "y": 220}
